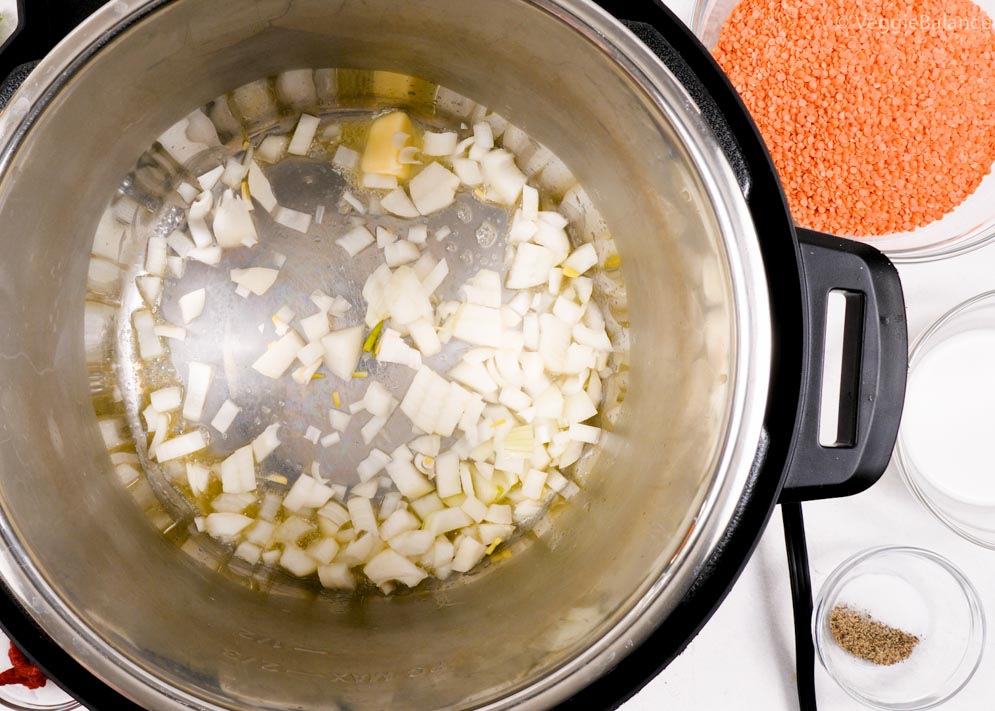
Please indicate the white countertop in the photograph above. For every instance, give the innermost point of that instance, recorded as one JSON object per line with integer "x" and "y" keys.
{"x": 744, "y": 658}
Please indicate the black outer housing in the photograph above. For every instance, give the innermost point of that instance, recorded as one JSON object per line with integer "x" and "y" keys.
{"x": 793, "y": 372}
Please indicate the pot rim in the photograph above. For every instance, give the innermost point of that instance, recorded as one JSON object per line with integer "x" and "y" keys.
{"x": 749, "y": 395}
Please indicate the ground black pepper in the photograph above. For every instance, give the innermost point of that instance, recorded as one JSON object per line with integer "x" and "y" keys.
{"x": 864, "y": 637}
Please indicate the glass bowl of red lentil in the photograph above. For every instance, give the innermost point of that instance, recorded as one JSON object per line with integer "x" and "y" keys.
{"x": 968, "y": 226}
{"x": 899, "y": 628}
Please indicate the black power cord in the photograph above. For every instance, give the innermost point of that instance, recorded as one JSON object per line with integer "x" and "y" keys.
{"x": 801, "y": 602}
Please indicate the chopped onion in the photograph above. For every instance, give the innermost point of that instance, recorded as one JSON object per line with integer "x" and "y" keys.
{"x": 315, "y": 326}
{"x": 339, "y": 420}
{"x": 398, "y": 203}
{"x": 280, "y": 354}
{"x": 295, "y": 220}
{"x": 180, "y": 446}
{"x": 384, "y": 237}
{"x": 379, "y": 182}
{"x": 272, "y": 148}
{"x": 149, "y": 345}
{"x": 400, "y": 252}
{"x": 155, "y": 256}
{"x": 260, "y": 188}
{"x": 578, "y": 407}
{"x": 352, "y": 201}
{"x": 331, "y": 438}
{"x": 435, "y": 277}
{"x": 468, "y": 171}
{"x": 238, "y": 471}
{"x": 438, "y": 144}
{"x": 442, "y": 233}
{"x": 167, "y": 399}
{"x": 197, "y": 477}
{"x": 176, "y": 266}
{"x": 206, "y": 255}
{"x": 343, "y": 349}
{"x": 389, "y": 565}
{"x": 553, "y": 238}
{"x": 531, "y": 266}
{"x": 418, "y": 234}
{"x": 425, "y": 337}
{"x": 226, "y": 525}
{"x": 180, "y": 243}
{"x": 483, "y": 288}
{"x": 479, "y": 325}
{"x": 150, "y": 288}
{"x": 433, "y": 189}
{"x": 582, "y": 259}
{"x": 266, "y": 442}
{"x": 225, "y": 415}
{"x": 408, "y": 480}
{"x": 502, "y": 175}
{"x": 530, "y": 203}
{"x": 198, "y": 382}
{"x": 372, "y": 428}
{"x": 378, "y": 400}
{"x": 355, "y": 240}
{"x": 393, "y": 349}
{"x": 234, "y": 173}
{"x": 307, "y": 126}
{"x": 258, "y": 280}
{"x": 361, "y": 512}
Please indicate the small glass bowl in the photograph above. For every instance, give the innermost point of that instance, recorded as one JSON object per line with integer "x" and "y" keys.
{"x": 970, "y": 514}
{"x": 970, "y": 226}
{"x": 919, "y": 592}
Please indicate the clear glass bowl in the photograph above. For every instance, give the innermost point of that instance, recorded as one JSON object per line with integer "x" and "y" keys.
{"x": 968, "y": 227}
{"x": 948, "y": 494}
{"x": 919, "y": 592}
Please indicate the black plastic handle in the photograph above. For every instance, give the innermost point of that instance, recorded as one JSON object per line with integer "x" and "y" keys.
{"x": 874, "y": 369}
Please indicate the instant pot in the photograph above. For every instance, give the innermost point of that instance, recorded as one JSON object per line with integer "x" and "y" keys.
{"x": 728, "y": 307}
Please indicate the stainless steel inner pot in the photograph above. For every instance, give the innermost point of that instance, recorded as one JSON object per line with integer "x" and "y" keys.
{"x": 170, "y": 634}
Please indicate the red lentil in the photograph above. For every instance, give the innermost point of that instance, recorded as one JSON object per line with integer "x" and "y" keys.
{"x": 880, "y": 116}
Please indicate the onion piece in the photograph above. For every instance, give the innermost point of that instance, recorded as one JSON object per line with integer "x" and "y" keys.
{"x": 300, "y": 143}
{"x": 238, "y": 472}
{"x": 425, "y": 337}
{"x": 389, "y": 565}
{"x": 401, "y": 252}
{"x": 155, "y": 256}
{"x": 355, "y": 240}
{"x": 435, "y": 277}
{"x": 479, "y": 325}
{"x": 234, "y": 173}
{"x": 267, "y": 441}
{"x": 582, "y": 259}
{"x": 330, "y": 439}
{"x": 149, "y": 345}
{"x": 398, "y": 203}
{"x": 385, "y": 237}
{"x": 408, "y": 480}
{"x": 378, "y": 400}
{"x": 180, "y": 243}
{"x": 433, "y": 189}
{"x": 150, "y": 287}
{"x": 345, "y": 158}
{"x": 339, "y": 420}
{"x": 468, "y": 171}
{"x": 260, "y": 188}
{"x": 438, "y": 144}
{"x": 226, "y": 525}
{"x": 379, "y": 182}
{"x": 393, "y": 349}
{"x": 530, "y": 267}
{"x": 166, "y": 399}
{"x": 225, "y": 415}
{"x": 483, "y": 288}
{"x": 258, "y": 280}
{"x": 210, "y": 256}
{"x": 578, "y": 407}
{"x": 502, "y": 176}
{"x": 180, "y": 446}
{"x": 373, "y": 464}
{"x": 315, "y": 326}
{"x": 294, "y": 219}
{"x": 272, "y": 148}
{"x": 280, "y": 354}
{"x": 198, "y": 383}
{"x": 343, "y": 349}
{"x": 192, "y": 304}
{"x": 371, "y": 429}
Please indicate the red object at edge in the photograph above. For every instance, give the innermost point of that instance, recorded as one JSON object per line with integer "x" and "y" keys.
{"x": 23, "y": 671}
